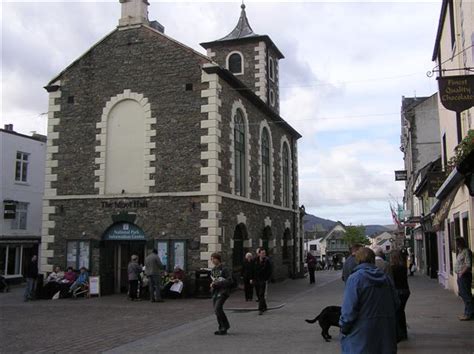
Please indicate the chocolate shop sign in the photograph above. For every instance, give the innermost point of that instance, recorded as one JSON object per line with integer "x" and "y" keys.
{"x": 456, "y": 92}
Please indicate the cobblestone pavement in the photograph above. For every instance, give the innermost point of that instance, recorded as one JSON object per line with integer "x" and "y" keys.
{"x": 431, "y": 311}
{"x": 187, "y": 326}
{"x": 98, "y": 324}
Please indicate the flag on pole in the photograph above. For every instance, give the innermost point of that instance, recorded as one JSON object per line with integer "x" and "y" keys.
{"x": 395, "y": 218}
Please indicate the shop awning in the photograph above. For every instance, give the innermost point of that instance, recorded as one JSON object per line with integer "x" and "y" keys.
{"x": 453, "y": 181}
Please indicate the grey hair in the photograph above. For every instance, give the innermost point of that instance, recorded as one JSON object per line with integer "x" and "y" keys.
{"x": 247, "y": 255}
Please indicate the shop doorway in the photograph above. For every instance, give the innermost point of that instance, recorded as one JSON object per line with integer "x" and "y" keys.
{"x": 120, "y": 242}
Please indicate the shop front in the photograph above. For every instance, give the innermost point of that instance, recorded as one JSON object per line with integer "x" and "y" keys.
{"x": 14, "y": 257}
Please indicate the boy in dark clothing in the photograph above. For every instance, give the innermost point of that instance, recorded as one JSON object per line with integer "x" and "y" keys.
{"x": 263, "y": 273}
{"x": 31, "y": 276}
{"x": 220, "y": 287}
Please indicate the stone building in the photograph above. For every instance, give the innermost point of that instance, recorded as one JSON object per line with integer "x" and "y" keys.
{"x": 154, "y": 145}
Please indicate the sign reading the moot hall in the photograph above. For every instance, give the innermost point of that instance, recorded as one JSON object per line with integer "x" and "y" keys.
{"x": 401, "y": 175}
{"x": 124, "y": 232}
{"x": 456, "y": 92}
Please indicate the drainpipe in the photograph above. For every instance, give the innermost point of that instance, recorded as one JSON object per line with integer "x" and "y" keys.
{"x": 294, "y": 207}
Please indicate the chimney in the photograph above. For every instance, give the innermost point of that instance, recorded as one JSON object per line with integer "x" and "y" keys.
{"x": 8, "y": 127}
{"x": 134, "y": 12}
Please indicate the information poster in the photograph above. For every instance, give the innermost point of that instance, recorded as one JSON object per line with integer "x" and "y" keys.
{"x": 94, "y": 286}
{"x": 179, "y": 256}
{"x": 162, "y": 247}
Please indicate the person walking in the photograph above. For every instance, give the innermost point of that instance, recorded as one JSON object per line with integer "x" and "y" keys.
{"x": 248, "y": 270}
{"x": 31, "y": 276}
{"x": 311, "y": 262}
{"x": 463, "y": 269}
{"x": 263, "y": 273}
{"x": 380, "y": 262}
{"x": 350, "y": 262}
{"x": 399, "y": 272}
{"x": 220, "y": 288}
{"x": 368, "y": 313}
{"x": 133, "y": 271}
{"x": 153, "y": 267}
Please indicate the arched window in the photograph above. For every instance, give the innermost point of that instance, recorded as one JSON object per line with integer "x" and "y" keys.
{"x": 239, "y": 148}
{"x": 240, "y": 234}
{"x": 272, "y": 97}
{"x": 266, "y": 237}
{"x": 286, "y": 247}
{"x": 266, "y": 166}
{"x": 125, "y": 142}
{"x": 235, "y": 63}
{"x": 286, "y": 175}
{"x": 271, "y": 69}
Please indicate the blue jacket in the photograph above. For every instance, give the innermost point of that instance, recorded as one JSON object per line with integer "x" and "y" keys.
{"x": 368, "y": 321}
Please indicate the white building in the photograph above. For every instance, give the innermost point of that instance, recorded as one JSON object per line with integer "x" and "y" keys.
{"x": 22, "y": 161}
{"x": 453, "y": 213}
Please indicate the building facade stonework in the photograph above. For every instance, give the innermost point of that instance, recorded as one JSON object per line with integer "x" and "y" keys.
{"x": 143, "y": 152}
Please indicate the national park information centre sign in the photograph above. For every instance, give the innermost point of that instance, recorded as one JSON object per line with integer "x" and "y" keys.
{"x": 124, "y": 232}
{"x": 456, "y": 92}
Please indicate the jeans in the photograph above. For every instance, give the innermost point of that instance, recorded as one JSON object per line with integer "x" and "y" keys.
{"x": 403, "y": 295}
{"x": 260, "y": 288}
{"x": 248, "y": 289}
{"x": 312, "y": 280}
{"x": 133, "y": 289}
{"x": 154, "y": 282}
{"x": 218, "y": 301}
{"x": 464, "y": 285}
{"x": 30, "y": 288}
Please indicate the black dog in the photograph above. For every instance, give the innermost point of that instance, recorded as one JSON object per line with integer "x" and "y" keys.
{"x": 328, "y": 317}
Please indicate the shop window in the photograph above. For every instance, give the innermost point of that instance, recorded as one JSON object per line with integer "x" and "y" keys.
{"x": 465, "y": 229}
{"x": 21, "y": 217}
{"x": 235, "y": 64}
{"x": 10, "y": 260}
{"x": 172, "y": 254}
{"x": 78, "y": 254}
{"x": 3, "y": 256}
{"x": 21, "y": 167}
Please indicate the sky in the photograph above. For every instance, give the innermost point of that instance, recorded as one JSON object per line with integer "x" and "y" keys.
{"x": 346, "y": 67}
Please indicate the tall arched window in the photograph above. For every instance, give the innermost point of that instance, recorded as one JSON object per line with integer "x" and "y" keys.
{"x": 235, "y": 63}
{"x": 271, "y": 69}
{"x": 266, "y": 166}
{"x": 286, "y": 175}
{"x": 239, "y": 148}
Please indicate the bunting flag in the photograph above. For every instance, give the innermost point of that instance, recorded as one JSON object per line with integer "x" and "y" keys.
{"x": 395, "y": 218}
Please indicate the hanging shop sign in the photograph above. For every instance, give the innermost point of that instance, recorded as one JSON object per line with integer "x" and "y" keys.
{"x": 401, "y": 175}
{"x": 456, "y": 92}
{"x": 124, "y": 232}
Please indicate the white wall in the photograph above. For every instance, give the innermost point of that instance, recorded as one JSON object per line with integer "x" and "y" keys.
{"x": 30, "y": 192}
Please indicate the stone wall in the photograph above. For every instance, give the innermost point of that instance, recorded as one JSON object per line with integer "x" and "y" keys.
{"x": 256, "y": 217}
{"x": 149, "y": 64}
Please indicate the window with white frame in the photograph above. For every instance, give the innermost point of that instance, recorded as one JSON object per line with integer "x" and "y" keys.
{"x": 21, "y": 217}
{"x": 21, "y": 167}
{"x": 78, "y": 254}
{"x": 235, "y": 63}
{"x": 266, "y": 166}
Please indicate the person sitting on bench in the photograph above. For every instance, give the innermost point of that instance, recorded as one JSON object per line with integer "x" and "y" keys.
{"x": 174, "y": 287}
{"x": 81, "y": 282}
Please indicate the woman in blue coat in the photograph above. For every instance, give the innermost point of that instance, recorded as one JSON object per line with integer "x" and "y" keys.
{"x": 368, "y": 314}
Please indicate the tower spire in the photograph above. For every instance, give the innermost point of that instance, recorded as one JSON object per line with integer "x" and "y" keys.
{"x": 243, "y": 29}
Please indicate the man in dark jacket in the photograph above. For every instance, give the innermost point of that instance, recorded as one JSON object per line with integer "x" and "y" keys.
{"x": 220, "y": 287}
{"x": 31, "y": 276}
{"x": 263, "y": 273}
{"x": 368, "y": 313}
{"x": 350, "y": 262}
{"x": 311, "y": 262}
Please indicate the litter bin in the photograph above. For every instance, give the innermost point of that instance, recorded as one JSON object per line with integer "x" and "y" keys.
{"x": 203, "y": 284}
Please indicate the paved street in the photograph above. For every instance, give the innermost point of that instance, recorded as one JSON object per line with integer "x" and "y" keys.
{"x": 185, "y": 326}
